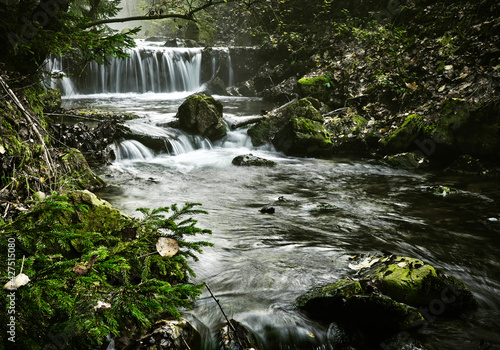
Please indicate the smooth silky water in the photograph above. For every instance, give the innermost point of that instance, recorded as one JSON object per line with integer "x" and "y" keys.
{"x": 261, "y": 263}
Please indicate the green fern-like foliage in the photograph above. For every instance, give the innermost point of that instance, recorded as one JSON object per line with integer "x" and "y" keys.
{"x": 130, "y": 281}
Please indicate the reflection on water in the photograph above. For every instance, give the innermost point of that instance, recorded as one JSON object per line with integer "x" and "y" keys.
{"x": 261, "y": 262}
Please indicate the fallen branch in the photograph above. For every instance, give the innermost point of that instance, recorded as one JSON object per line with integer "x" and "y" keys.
{"x": 240, "y": 122}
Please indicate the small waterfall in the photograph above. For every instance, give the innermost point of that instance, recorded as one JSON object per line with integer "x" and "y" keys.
{"x": 63, "y": 83}
{"x": 230, "y": 70}
{"x": 132, "y": 150}
{"x": 148, "y": 69}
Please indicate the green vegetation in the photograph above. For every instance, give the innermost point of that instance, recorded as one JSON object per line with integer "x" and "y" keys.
{"x": 85, "y": 285}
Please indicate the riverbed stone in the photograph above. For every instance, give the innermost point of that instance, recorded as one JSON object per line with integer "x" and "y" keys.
{"x": 251, "y": 160}
{"x": 202, "y": 114}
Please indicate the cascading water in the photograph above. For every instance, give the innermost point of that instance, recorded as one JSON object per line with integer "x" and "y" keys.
{"x": 148, "y": 69}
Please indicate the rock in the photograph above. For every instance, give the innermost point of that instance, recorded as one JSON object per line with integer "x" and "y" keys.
{"x": 407, "y": 161}
{"x": 386, "y": 293}
{"x": 267, "y": 210}
{"x": 80, "y": 176}
{"x": 216, "y": 87}
{"x": 295, "y": 129}
{"x": 348, "y": 134}
{"x": 202, "y": 114}
{"x": 401, "y": 139}
{"x": 100, "y": 216}
{"x": 303, "y": 137}
{"x": 317, "y": 86}
{"x": 251, "y": 160}
{"x": 169, "y": 334}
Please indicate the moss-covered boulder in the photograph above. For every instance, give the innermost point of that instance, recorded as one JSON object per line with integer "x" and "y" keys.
{"x": 296, "y": 129}
{"x": 78, "y": 172}
{"x": 202, "y": 114}
{"x": 352, "y": 303}
{"x": 402, "y": 139}
{"x": 303, "y": 137}
{"x": 318, "y": 87}
{"x": 99, "y": 216}
{"x": 395, "y": 291}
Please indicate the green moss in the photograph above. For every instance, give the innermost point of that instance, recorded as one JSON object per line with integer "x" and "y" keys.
{"x": 260, "y": 133}
{"x": 319, "y": 80}
{"x": 401, "y": 139}
{"x": 303, "y": 108}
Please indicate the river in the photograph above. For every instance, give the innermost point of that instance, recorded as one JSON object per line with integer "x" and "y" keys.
{"x": 260, "y": 263}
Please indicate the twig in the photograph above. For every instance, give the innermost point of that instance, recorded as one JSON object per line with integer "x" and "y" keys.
{"x": 145, "y": 255}
{"x": 12, "y": 95}
{"x": 225, "y": 316}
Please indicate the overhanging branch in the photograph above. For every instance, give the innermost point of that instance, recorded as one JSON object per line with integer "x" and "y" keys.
{"x": 187, "y": 16}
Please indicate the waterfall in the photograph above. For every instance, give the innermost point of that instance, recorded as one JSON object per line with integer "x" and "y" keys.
{"x": 132, "y": 150}
{"x": 148, "y": 69}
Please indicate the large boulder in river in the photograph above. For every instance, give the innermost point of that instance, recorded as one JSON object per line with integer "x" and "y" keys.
{"x": 295, "y": 129}
{"x": 202, "y": 114}
{"x": 388, "y": 294}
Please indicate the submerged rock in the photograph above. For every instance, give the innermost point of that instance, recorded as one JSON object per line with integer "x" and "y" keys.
{"x": 251, "y": 160}
{"x": 389, "y": 294}
{"x": 202, "y": 114}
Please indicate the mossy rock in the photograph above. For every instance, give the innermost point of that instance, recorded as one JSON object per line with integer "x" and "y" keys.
{"x": 468, "y": 129}
{"x": 260, "y": 133}
{"x": 100, "y": 216}
{"x": 78, "y": 173}
{"x": 296, "y": 129}
{"x": 317, "y": 87}
{"x": 353, "y": 304}
{"x": 401, "y": 139}
{"x": 348, "y": 134}
{"x": 303, "y": 137}
{"x": 416, "y": 283}
{"x": 408, "y": 161}
{"x": 390, "y": 294}
{"x": 51, "y": 100}
{"x": 202, "y": 114}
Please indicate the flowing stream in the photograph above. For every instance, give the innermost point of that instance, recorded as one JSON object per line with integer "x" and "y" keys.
{"x": 261, "y": 263}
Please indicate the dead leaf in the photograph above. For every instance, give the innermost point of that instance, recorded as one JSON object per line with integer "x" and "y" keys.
{"x": 16, "y": 282}
{"x": 167, "y": 246}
